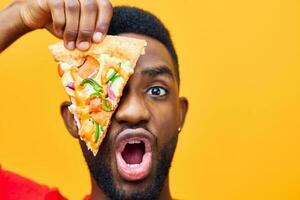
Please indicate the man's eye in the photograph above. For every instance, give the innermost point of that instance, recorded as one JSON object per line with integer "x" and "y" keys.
{"x": 157, "y": 91}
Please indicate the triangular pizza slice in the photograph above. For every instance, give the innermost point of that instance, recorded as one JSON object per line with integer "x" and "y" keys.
{"x": 94, "y": 80}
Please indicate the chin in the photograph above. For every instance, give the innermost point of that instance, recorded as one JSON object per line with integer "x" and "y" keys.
{"x": 114, "y": 174}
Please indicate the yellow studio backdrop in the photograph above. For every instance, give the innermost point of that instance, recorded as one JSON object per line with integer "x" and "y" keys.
{"x": 240, "y": 69}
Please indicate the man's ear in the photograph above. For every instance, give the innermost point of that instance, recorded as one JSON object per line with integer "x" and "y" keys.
{"x": 184, "y": 106}
{"x": 69, "y": 119}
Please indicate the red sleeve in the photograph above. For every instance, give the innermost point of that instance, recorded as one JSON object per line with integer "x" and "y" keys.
{"x": 16, "y": 187}
{"x": 87, "y": 197}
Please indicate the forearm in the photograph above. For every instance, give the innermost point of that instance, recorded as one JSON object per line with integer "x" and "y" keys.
{"x": 11, "y": 25}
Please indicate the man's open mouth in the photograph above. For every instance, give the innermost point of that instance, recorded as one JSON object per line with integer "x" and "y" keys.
{"x": 134, "y": 154}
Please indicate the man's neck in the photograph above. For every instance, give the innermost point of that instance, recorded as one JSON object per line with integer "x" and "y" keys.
{"x": 98, "y": 194}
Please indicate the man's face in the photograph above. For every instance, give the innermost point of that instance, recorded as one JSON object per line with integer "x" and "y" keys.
{"x": 134, "y": 159}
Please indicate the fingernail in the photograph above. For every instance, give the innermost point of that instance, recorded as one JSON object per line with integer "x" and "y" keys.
{"x": 97, "y": 37}
{"x": 84, "y": 45}
{"x": 70, "y": 44}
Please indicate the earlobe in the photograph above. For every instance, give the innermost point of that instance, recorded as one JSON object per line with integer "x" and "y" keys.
{"x": 69, "y": 119}
{"x": 184, "y": 105}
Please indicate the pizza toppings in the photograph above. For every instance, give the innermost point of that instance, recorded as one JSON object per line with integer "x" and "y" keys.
{"x": 106, "y": 105}
{"x": 94, "y": 84}
{"x": 95, "y": 104}
{"x": 89, "y": 67}
{"x": 70, "y": 85}
{"x": 99, "y": 129}
{"x": 94, "y": 80}
{"x": 60, "y": 71}
{"x": 100, "y": 117}
{"x": 110, "y": 93}
{"x": 95, "y": 99}
{"x": 87, "y": 129}
{"x": 95, "y": 96}
{"x": 113, "y": 77}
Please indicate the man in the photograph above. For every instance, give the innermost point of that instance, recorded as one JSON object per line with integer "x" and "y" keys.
{"x": 150, "y": 114}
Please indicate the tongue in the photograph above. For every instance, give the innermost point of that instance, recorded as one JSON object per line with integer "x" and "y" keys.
{"x": 133, "y": 153}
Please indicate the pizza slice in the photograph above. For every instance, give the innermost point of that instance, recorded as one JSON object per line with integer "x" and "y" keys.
{"x": 94, "y": 80}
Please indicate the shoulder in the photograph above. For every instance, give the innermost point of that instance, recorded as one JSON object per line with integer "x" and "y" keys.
{"x": 14, "y": 186}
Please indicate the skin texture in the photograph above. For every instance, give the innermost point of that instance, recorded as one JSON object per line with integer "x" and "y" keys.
{"x": 77, "y": 22}
{"x": 141, "y": 107}
{"x": 150, "y": 101}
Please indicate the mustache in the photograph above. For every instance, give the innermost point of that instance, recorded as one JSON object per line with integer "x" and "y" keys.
{"x": 125, "y": 126}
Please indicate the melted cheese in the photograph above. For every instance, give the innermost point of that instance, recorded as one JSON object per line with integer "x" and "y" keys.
{"x": 79, "y": 108}
{"x": 116, "y": 86}
{"x": 65, "y": 66}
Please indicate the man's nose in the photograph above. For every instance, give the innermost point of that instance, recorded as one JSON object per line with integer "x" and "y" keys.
{"x": 132, "y": 110}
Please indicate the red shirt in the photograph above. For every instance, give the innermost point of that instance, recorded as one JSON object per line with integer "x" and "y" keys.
{"x": 16, "y": 187}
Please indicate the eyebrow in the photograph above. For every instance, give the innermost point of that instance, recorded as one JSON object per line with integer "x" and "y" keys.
{"x": 157, "y": 71}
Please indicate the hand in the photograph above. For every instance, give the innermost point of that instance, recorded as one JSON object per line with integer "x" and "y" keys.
{"x": 77, "y": 22}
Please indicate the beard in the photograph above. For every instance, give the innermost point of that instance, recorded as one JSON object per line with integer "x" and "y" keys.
{"x": 100, "y": 169}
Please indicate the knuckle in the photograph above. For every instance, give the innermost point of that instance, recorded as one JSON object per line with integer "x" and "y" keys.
{"x": 72, "y": 6}
{"x": 106, "y": 4}
{"x": 89, "y": 5}
{"x": 59, "y": 23}
{"x": 55, "y": 4}
{"x": 103, "y": 26}
{"x": 85, "y": 34}
{"x": 70, "y": 34}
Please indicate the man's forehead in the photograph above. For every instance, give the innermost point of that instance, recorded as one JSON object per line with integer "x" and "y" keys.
{"x": 156, "y": 54}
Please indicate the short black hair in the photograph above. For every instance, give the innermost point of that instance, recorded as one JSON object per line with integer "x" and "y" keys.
{"x": 135, "y": 20}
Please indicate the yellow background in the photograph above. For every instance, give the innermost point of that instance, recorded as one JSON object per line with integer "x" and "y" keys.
{"x": 240, "y": 70}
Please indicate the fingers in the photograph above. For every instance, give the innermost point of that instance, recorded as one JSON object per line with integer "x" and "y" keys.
{"x": 103, "y": 19}
{"x": 80, "y": 22}
{"x": 72, "y": 10}
{"x": 88, "y": 15}
{"x": 57, "y": 8}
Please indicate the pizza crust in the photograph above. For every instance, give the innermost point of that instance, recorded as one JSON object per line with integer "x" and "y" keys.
{"x": 118, "y": 46}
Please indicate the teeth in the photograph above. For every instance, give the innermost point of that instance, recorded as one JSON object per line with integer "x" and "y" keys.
{"x": 133, "y": 165}
{"x": 134, "y": 142}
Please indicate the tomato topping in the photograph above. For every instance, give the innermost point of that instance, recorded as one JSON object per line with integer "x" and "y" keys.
{"x": 60, "y": 71}
{"x": 89, "y": 67}
{"x": 95, "y": 104}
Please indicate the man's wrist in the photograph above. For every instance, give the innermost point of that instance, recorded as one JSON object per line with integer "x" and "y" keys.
{"x": 19, "y": 26}
{"x": 12, "y": 20}
{"x": 12, "y": 26}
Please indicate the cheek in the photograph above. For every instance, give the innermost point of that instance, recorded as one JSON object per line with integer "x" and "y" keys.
{"x": 165, "y": 119}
